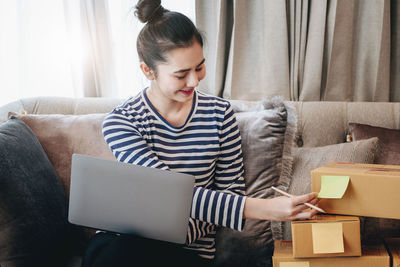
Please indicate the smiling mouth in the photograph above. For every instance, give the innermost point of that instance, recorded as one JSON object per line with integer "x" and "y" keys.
{"x": 187, "y": 92}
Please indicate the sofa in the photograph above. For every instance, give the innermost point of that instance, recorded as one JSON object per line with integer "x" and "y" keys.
{"x": 291, "y": 137}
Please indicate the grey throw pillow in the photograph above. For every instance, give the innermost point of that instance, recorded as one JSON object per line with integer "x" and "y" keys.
{"x": 34, "y": 230}
{"x": 267, "y": 133}
{"x": 309, "y": 158}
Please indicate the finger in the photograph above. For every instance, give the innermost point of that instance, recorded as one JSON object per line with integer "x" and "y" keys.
{"x": 304, "y": 198}
{"x": 298, "y": 209}
{"x": 313, "y": 213}
{"x": 301, "y": 207}
{"x": 314, "y": 202}
{"x": 305, "y": 215}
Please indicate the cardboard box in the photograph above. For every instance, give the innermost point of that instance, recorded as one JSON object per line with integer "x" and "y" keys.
{"x": 393, "y": 247}
{"x": 372, "y": 190}
{"x": 326, "y": 236}
{"x": 372, "y": 256}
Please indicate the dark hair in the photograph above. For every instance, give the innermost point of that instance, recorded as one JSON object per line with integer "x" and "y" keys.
{"x": 164, "y": 31}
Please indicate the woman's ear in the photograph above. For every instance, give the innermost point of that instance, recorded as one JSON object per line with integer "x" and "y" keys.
{"x": 147, "y": 71}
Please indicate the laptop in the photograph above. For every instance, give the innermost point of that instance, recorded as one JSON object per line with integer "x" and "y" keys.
{"x": 130, "y": 199}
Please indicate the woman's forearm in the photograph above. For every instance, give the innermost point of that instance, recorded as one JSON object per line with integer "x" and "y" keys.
{"x": 253, "y": 208}
{"x": 280, "y": 208}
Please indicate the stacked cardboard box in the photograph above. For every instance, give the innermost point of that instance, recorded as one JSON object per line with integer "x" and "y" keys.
{"x": 372, "y": 190}
{"x": 372, "y": 256}
{"x": 328, "y": 240}
{"x": 326, "y": 236}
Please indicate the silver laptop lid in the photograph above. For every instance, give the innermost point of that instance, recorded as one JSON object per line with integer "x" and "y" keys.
{"x": 130, "y": 199}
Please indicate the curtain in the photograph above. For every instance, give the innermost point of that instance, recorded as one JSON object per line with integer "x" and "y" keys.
{"x": 240, "y": 61}
{"x": 330, "y": 50}
{"x": 35, "y": 49}
{"x": 98, "y": 69}
{"x": 72, "y": 48}
{"x": 55, "y": 48}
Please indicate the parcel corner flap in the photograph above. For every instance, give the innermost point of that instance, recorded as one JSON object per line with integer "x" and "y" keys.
{"x": 329, "y": 218}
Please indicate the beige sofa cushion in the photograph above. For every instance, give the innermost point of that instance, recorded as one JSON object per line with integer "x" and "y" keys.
{"x": 63, "y": 135}
{"x": 307, "y": 159}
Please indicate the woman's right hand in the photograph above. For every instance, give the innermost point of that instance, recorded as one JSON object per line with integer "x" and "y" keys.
{"x": 281, "y": 208}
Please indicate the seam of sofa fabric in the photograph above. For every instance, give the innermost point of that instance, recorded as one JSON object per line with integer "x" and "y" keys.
{"x": 287, "y": 162}
{"x": 287, "y": 158}
{"x": 35, "y": 106}
{"x": 345, "y": 120}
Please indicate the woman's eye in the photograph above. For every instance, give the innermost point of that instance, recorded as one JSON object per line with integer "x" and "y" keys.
{"x": 199, "y": 69}
{"x": 180, "y": 77}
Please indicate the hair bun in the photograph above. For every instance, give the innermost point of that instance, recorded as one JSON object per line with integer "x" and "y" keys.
{"x": 149, "y": 10}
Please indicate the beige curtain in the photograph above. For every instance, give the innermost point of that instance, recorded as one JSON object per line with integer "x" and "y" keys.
{"x": 336, "y": 50}
{"x": 241, "y": 62}
{"x": 98, "y": 67}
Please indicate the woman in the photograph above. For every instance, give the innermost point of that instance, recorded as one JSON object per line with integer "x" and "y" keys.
{"x": 172, "y": 126}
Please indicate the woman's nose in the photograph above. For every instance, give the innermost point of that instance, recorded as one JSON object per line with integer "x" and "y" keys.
{"x": 193, "y": 80}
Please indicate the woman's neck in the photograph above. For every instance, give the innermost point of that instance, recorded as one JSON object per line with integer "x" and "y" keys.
{"x": 173, "y": 111}
{"x": 162, "y": 103}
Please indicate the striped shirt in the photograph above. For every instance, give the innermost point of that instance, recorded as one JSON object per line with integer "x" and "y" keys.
{"x": 207, "y": 146}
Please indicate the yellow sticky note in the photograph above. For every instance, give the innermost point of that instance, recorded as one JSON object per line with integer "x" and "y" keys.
{"x": 333, "y": 186}
{"x": 327, "y": 237}
{"x": 295, "y": 264}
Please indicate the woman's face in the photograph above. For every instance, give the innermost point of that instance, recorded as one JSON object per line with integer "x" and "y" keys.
{"x": 177, "y": 78}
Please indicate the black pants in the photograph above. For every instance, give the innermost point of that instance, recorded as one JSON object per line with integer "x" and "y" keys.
{"x": 107, "y": 249}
